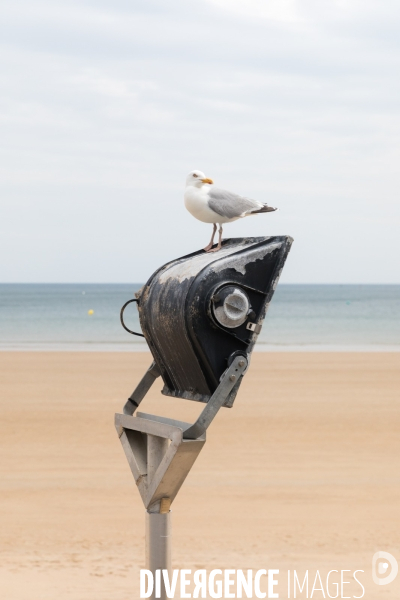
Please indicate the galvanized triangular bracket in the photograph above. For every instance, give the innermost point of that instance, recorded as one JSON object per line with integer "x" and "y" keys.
{"x": 158, "y": 455}
{"x": 162, "y": 451}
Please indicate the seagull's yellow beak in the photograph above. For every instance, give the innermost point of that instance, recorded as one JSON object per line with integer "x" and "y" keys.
{"x": 206, "y": 180}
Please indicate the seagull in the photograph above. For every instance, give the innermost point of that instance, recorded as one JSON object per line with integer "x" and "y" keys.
{"x": 210, "y": 204}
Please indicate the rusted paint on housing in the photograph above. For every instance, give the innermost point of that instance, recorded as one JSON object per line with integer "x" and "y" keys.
{"x": 189, "y": 346}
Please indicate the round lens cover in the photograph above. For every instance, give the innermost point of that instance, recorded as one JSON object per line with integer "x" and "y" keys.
{"x": 231, "y": 306}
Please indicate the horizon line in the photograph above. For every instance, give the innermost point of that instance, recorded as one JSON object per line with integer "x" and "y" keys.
{"x": 144, "y": 282}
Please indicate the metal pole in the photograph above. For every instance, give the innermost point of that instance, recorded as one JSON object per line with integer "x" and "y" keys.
{"x": 158, "y": 547}
{"x": 158, "y": 524}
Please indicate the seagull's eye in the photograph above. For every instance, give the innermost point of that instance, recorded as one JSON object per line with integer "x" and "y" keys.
{"x": 194, "y": 175}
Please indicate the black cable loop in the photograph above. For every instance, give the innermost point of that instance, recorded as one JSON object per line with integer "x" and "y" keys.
{"x": 121, "y": 316}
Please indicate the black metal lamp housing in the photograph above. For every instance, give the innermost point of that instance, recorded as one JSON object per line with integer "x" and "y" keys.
{"x": 199, "y": 311}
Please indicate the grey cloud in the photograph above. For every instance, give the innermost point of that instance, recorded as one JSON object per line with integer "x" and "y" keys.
{"x": 106, "y": 106}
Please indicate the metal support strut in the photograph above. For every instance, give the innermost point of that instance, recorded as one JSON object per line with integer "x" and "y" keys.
{"x": 160, "y": 453}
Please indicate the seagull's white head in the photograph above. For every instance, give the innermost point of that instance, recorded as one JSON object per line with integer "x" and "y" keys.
{"x": 197, "y": 178}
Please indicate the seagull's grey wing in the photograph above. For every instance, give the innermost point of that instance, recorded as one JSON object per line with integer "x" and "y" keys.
{"x": 230, "y": 205}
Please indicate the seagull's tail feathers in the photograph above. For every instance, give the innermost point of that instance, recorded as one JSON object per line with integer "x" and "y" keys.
{"x": 264, "y": 209}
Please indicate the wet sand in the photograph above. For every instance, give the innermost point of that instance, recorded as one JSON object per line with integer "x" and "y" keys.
{"x": 302, "y": 473}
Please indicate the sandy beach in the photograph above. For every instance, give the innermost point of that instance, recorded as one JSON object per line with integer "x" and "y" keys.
{"x": 302, "y": 473}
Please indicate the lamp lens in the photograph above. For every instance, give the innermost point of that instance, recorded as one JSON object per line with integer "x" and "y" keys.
{"x": 232, "y": 307}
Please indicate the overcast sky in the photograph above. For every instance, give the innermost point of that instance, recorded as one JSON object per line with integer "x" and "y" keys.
{"x": 107, "y": 104}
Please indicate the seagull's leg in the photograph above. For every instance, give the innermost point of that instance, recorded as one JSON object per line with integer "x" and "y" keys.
{"x": 210, "y": 245}
{"x": 219, "y": 240}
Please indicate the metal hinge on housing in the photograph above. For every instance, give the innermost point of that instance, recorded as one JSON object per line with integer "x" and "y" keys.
{"x": 228, "y": 381}
{"x": 253, "y": 327}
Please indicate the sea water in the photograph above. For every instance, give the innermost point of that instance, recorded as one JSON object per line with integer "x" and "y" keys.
{"x": 300, "y": 317}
